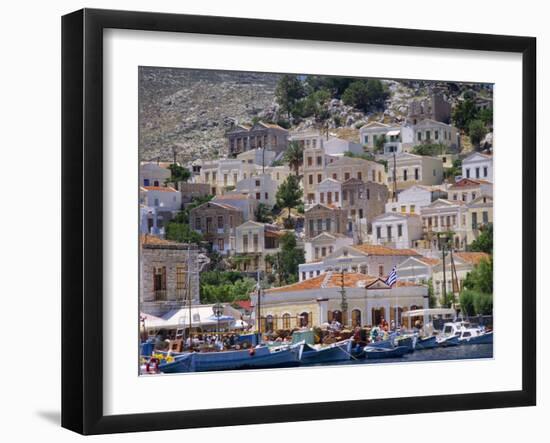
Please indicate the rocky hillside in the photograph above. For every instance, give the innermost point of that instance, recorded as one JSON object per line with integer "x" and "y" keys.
{"x": 189, "y": 111}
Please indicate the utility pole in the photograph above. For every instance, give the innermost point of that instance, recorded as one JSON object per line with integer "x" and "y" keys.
{"x": 394, "y": 179}
{"x": 443, "y": 253}
{"x": 258, "y": 303}
{"x": 343, "y": 303}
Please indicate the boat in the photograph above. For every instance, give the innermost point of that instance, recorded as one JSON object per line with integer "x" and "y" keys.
{"x": 255, "y": 358}
{"x": 340, "y": 351}
{"x": 448, "y": 341}
{"x": 475, "y": 336}
{"x": 379, "y": 353}
{"x": 384, "y": 344}
{"x": 426, "y": 342}
{"x": 406, "y": 340}
{"x": 450, "y": 335}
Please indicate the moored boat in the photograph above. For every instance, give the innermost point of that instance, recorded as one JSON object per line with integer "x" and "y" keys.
{"x": 334, "y": 352}
{"x": 254, "y": 358}
{"x": 379, "y": 353}
{"x": 426, "y": 342}
{"x": 382, "y": 344}
{"x": 475, "y": 336}
{"x": 409, "y": 341}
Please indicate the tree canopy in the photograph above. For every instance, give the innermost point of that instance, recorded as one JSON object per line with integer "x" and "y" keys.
{"x": 289, "y": 90}
{"x": 285, "y": 263}
{"x": 484, "y": 242}
{"x": 225, "y": 286}
{"x": 178, "y": 173}
{"x": 366, "y": 95}
{"x": 289, "y": 194}
{"x": 477, "y": 131}
{"x": 294, "y": 156}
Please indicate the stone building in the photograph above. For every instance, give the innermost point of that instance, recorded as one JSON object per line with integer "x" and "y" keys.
{"x": 320, "y": 218}
{"x": 435, "y": 107}
{"x": 363, "y": 199}
{"x": 216, "y": 222}
{"x": 261, "y": 135}
{"x": 169, "y": 275}
{"x": 189, "y": 191}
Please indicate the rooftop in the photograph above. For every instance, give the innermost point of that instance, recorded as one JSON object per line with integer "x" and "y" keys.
{"x": 472, "y": 257}
{"x": 159, "y": 188}
{"x": 384, "y": 250}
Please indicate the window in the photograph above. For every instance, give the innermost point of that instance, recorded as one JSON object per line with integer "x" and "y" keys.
{"x": 373, "y": 175}
{"x": 378, "y": 232}
{"x": 181, "y": 280}
{"x": 319, "y": 178}
{"x": 436, "y": 221}
{"x": 474, "y": 220}
{"x": 379, "y": 177}
{"x": 328, "y": 226}
{"x": 225, "y": 179}
{"x": 477, "y": 172}
{"x": 258, "y": 195}
{"x": 286, "y": 321}
{"x": 405, "y": 175}
{"x": 310, "y": 179}
{"x": 156, "y": 183}
{"x": 473, "y": 195}
{"x": 335, "y": 176}
{"x": 235, "y": 179}
{"x": 346, "y": 176}
{"x": 255, "y": 242}
{"x": 145, "y": 182}
{"x": 220, "y": 222}
{"x": 344, "y": 195}
{"x": 220, "y": 244}
{"x": 156, "y": 202}
{"x": 366, "y": 139}
{"x": 412, "y": 209}
{"x": 310, "y": 161}
{"x": 323, "y": 251}
{"x": 400, "y": 230}
{"x": 197, "y": 223}
{"x": 485, "y": 216}
{"x": 360, "y": 212}
{"x": 419, "y": 136}
{"x": 485, "y": 171}
{"x": 329, "y": 197}
{"x": 257, "y": 183}
{"x": 208, "y": 225}
{"x": 436, "y": 135}
{"x": 311, "y": 227}
{"x": 380, "y": 270}
{"x": 467, "y": 172}
{"x": 159, "y": 282}
{"x": 319, "y": 225}
{"x": 416, "y": 174}
{"x": 266, "y": 195}
{"x": 303, "y": 275}
{"x": 403, "y": 208}
{"x": 434, "y": 173}
{"x": 455, "y": 196}
{"x": 245, "y": 242}
{"x": 428, "y": 135}
{"x": 359, "y": 175}
{"x": 464, "y": 196}
{"x": 322, "y": 197}
{"x": 389, "y": 229}
{"x": 319, "y": 161}
{"x": 336, "y": 196}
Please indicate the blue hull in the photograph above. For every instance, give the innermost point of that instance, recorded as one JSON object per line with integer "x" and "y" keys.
{"x": 382, "y": 344}
{"x": 228, "y": 360}
{"x": 408, "y": 342}
{"x": 378, "y": 353}
{"x": 484, "y": 339}
{"x": 426, "y": 343}
{"x": 340, "y": 352}
{"x": 451, "y": 341}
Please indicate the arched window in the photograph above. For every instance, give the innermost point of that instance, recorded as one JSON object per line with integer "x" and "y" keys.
{"x": 337, "y": 315}
{"x": 269, "y": 323}
{"x": 286, "y": 321}
{"x": 304, "y": 319}
{"x": 356, "y": 317}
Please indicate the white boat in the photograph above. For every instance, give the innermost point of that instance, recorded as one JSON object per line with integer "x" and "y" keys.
{"x": 475, "y": 336}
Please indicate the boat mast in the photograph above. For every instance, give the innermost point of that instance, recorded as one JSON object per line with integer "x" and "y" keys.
{"x": 189, "y": 290}
{"x": 259, "y": 296}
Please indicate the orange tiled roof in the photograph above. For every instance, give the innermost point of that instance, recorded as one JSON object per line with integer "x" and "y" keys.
{"x": 384, "y": 250}
{"x": 469, "y": 182}
{"x": 146, "y": 239}
{"x": 472, "y": 257}
{"x": 351, "y": 280}
{"x": 230, "y": 197}
{"x": 159, "y": 188}
{"x": 429, "y": 261}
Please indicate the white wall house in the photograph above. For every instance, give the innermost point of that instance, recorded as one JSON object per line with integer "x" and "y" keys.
{"x": 444, "y": 216}
{"x": 431, "y": 131}
{"x": 163, "y": 197}
{"x": 329, "y": 192}
{"x": 468, "y": 190}
{"x": 396, "y": 230}
{"x": 324, "y": 244}
{"x": 412, "y": 169}
{"x": 259, "y": 187}
{"x": 258, "y": 156}
{"x": 411, "y": 200}
{"x": 338, "y": 147}
{"x": 152, "y": 174}
{"x": 478, "y": 166}
{"x": 244, "y": 203}
{"x": 416, "y": 269}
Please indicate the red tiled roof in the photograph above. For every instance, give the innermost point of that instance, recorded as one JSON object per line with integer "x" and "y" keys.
{"x": 472, "y": 257}
{"x": 384, "y": 250}
{"x": 429, "y": 261}
{"x": 351, "y": 280}
{"x": 159, "y": 188}
{"x": 146, "y": 239}
{"x": 244, "y": 304}
{"x": 468, "y": 182}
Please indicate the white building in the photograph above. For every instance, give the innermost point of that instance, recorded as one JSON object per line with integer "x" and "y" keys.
{"x": 258, "y": 156}
{"x": 369, "y": 259}
{"x": 324, "y": 244}
{"x": 262, "y": 188}
{"x": 416, "y": 269}
{"x": 338, "y": 147}
{"x": 412, "y": 169}
{"x": 244, "y": 203}
{"x": 478, "y": 166}
{"x": 411, "y": 200}
{"x": 396, "y": 230}
{"x": 445, "y": 216}
{"x": 468, "y": 190}
{"x": 329, "y": 192}
{"x": 164, "y": 198}
{"x": 153, "y": 174}
{"x": 431, "y": 131}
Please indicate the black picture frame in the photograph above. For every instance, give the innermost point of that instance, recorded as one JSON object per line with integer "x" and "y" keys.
{"x": 82, "y": 218}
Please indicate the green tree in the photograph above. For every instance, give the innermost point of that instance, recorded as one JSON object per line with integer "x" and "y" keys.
{"x": 225, "y": 287}
{"x": 484, "y": 242}
{"x": 286, "y": 262}
{"x": 486, "y": 116}
{"x": 294, "y": 156}
{"x": 480, "y": 278}
{"x": 289, "y": 90}
{"x": 263, "y": 213}
{"x": 430, "y": 149}
{"x": 455, "y": 170}
{"x": 467, "y": 297}
{"x": 477, "y": 131}
{"x": 178, "y": 173}
{"x": 464, "y": 113}
{"x": 369, "y": 95}
{"x": 432, "y": 299}
{"x": 315, "y": 105}
{"x": 181, "y": 232}
{"x": 289, "y": 194}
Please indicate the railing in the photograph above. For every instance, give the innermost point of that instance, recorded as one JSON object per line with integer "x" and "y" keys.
{"x": 160, "y": 295}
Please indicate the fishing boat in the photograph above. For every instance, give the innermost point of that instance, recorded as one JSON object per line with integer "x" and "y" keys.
{"x": 340, "y": 351}
{"x": 254, "y": 358}
{"x": 426, "y": 342}
{"x": 475, "y": 336}
{"x": 450, "y": 335}
{"x": 379, "y": 353}
{"x": 406, "y": 340}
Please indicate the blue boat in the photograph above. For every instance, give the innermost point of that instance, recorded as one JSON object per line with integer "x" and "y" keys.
{"x": 340, "y": 351}
{"x": 452, "y": 340}
{"x": 476, "y": 338}
{"x": 255, "y": 358}
{"x": 426, "y": 342}
{"x": 379, "y": 353}
{"x": 409, "y": 341}
{"x": 382, "y": 344}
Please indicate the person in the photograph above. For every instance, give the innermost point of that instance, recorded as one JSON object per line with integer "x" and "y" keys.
{"x": 335, "y": 325}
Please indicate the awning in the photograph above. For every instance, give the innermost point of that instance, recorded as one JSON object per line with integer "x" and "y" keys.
{"x": 434, "y": 311}
{"x": 394, "y": 132}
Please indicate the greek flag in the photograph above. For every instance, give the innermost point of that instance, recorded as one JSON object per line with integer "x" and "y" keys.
{"x": 392, "y": 278}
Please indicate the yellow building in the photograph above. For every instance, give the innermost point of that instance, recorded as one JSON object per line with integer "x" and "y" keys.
{"x": 317, "y": 301}
{"x": 479, "y": 214}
